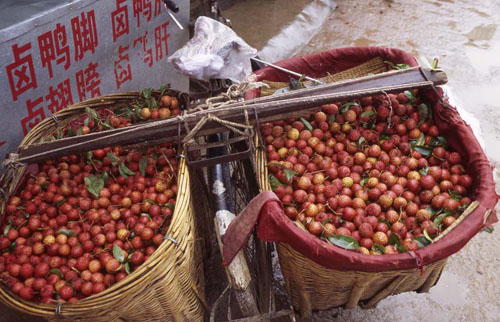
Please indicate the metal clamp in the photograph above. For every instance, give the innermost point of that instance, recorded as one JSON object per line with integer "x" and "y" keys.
{"x": 59, "y": 309}
{"x": 54, "y": 117}
{"x": 171, "y": 239}
{"x": 441, "y": 100}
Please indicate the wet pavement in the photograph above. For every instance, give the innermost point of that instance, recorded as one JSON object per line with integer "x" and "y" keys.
{"x": 465, "y": 36}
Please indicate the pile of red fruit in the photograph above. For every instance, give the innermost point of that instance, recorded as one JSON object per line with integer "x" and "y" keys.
{"x": 372, "y": 175}
{"x": 84, "y": 222}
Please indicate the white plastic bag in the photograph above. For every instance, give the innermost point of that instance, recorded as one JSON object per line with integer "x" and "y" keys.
{"x": 215, "y": 51}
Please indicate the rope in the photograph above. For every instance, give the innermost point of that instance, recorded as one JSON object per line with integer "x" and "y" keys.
{"x": 230, "y": 96}
{"x": 235, "y": 127}
{"x": 11, "y": 161}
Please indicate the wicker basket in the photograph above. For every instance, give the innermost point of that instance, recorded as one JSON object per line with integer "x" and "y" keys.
{"x": 314, "y": 287}
{"x": 169, "y": 286}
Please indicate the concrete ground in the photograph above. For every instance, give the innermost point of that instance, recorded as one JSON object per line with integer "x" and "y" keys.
{"x": 464, "y": 35}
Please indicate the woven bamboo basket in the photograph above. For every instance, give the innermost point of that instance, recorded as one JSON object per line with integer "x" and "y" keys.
{"x": 314, "y": 287}
{"x": 169, "y": 286}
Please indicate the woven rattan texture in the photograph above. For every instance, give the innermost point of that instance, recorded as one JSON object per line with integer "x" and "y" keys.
{"x": 169, "y": 286}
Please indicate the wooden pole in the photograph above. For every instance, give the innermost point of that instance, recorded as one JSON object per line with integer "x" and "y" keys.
{"x": 267, "y": 109}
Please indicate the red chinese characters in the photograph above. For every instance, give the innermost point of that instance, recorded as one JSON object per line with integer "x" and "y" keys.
{"x": 87, "y": 81}
{"x": 59, "y": 97}
{"x": 119, "y": 20}
{"x": 161, "y": 37}
{"x": 53, "y": 45}
{"x": 21, "y": 72}
{"x": 2, "y": 143}
{"x": 84, "y": 34}
{"x": 142, "y": 8}
{"x": 158, "y": 5}
{"x": 122, "y": 67}
{"x": 147, "y": 52}
{"x": 35, "y": 114}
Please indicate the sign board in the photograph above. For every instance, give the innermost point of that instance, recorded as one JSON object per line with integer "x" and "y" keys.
{"x": 83, "y": 49}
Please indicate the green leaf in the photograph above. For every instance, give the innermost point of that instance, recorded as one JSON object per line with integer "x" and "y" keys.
{"x": 171, "y": 206}
{"x": 488, "y": 229}
{"x": 118, "y": 253}
{"x": 146, "y": 215}
{"x": 57, "y": 272}
{"x": 94, "y": 184}
{"x": 86, "y": 121}
{"x": 306, "y": 124}
{"x": 92, "y": 113}
{"x": 394, "y": 239}
{"x": 443, "y": 142}
{"x": 384, "y": 136}
{"x": 400, "y": 248}
{"x": 378, "y": 248}
{"x": 151, "y": 201}
{"x": 163, "y": 89}
{"x": 127, "y": 268}
{"x": 439, "y": 219}
{"x": 421, "y": 241}
{"x": 147, "y": 93}
{"x": 12, "y": 247}
{"x": 424, "y": 111}
{"x": 425, "y": 151}
{"x": 433, "y": 211}
{"x": 344, "y": 107}
{"x": 276, "y": 164}
{"x": 426, "y": 234}
{"x": 455, "y": 195}
{"x": 361, "y": 140}
{"x": 67, "y": 232}
{"x": 275, "y": 183}
{"x": 420, "y": 140}
{"x": 79, "y": 132}
{"x": 143, "y": 163}
{"x": 113, "y": 158}
{"x": 26, "y": 215}
{"x": 346, "y": 242}
{"x": 124, "y": 171}
{"x": 424, "y": 171}
{"x": 385, "y": 221}
{"x": 60, "y": 202}
{"x": 363, "y": 181}
{"x": 409, "y": 95}
{"x": 289, "y": 174}
{"x": 331, "y": 119}
{"x": 105, "y": 177}
{"x": 152, "y": 103}
{"x": 71, "y": 131}
{"x": 397, "y": 66}
{"x": 7, "y": 228}
{"x": 107, "y": 125}
{"x": 59, "y": 134}
{"x": 368, "y": 113}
